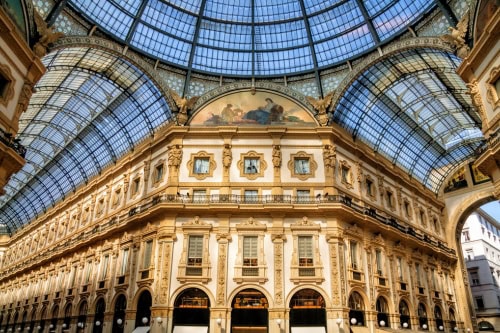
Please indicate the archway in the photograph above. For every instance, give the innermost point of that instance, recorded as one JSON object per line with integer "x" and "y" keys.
{"x": 422, "y": 316}
{"x": 14, "y": 322}
{"x": 453, "y": 320}
{"x": 82, "y": 316}
{"x": 119, "y": 315}
{"x": 438, "y": 316}
{"x": 485, "y": 326}
{"x": 67, "y": 317}
{"x": 23, "y": 320}
{"x": 53, "y": 320}
{"x": 43, "y": 318}
{"x": 143, "y": 314}
{"x": 249, "y": 312}
{"x": 307, "y": 309}
{"x": 382, "y": 312}
{"x": 99, "y": 316}
{"x": 357, "y": 309}
{"x": 191, "y": 311}
{"x": 32, "y": 320}
{"x": 404, "y": 314}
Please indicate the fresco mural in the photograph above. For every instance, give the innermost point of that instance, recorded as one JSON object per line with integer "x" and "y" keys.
{"x": 262, "y": 108}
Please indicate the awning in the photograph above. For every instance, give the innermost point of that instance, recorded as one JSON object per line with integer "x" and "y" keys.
{"x": 190, "y": 329}
{"x": 141, "y": 329}
{"x": 309, "y": 329}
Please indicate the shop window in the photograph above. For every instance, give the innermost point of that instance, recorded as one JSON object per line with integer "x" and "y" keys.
{"x": 356, "y": 309}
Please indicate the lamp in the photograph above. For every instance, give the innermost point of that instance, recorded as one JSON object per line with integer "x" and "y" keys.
{"x": 97, "y": 323}
{"x": 144, "y": 320}
{"x": 354, "y": 321}
{"x": 219, "y": 321}
{"x": 51, "y": 326}
{"x": 80, "y": 324}
{"x": 455, "y": 328}
{"x": 119, "y": 321}
{"x": 278, "y": 321}
{"x": 405, "y": 325}
{"x": 39, "y": 328}
{"x": 339, "y": 321}
{"x": 382, "y": 323}
{"x": 159, "y": 320}
{"x": 440, "y": 327}
{"x": 424, "y": 326}
{"x": 19, "y": 329}
{"x": 64, "y": 325}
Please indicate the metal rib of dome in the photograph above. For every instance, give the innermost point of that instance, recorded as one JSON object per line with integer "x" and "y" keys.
{"x": 91, "y": 107}
{"x": 413, "y": 109}
{"x": 257, "y": 37}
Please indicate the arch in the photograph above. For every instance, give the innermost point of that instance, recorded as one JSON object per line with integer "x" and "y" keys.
{"x": 438, "y": 317}
{"x": 259, "y": 288}
{"x": 82, "y": 315}
{"x": 356, "y": 304}
{"x": 484, "y": 325}
{"x": 100, "y": 309}
{"x": 404, "y": 313}
{"x": 54, "y": 317}
{"x": 307, "y": 308}
{"x": 249, "y": 309}
{"x": 143, "y": 308}
{"x": 452, "y": 319}
{"x": 192, "y": 306}
{"x": 119, "y": 306}
{"x": 201, "y": 287}
{"x": 382, "y": 308}
{"x": 68, "y": 313}
{"x": 378, "y": 107}
{"x": 422, "y": 316}
{"x": 319, "y": 290}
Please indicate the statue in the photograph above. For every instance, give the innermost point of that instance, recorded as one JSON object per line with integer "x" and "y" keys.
{"x": 320, "y": 105}
{"x": 329, "y": 156}
{"x": 47, "y": 36}
{"x": 184, "y": 105}
{"x": 174, "y": 156}
{"x": 276, "y": 156}
{"x": 456, "y": 37}
{"x": 227, "y": 156}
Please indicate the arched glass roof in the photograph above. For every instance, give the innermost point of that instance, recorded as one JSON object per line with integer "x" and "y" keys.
{"x": 253, "y": 38}
{"x": 413, "y": 109}
{"x": 90, "y": 108}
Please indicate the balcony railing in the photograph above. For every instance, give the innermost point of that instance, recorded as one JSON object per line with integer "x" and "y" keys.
{"x": 121, "y": 218}
{"x": 8, "y": 140}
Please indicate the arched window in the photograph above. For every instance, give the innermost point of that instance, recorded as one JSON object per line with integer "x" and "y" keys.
{"x": 307, "y": 308}
{"x": 119, "y": 315}
{"x": 439, "y": 318}
{"x": 357, "y": 309}
{"x": 67, "y": 317}
{"x": 82, "y": 316}
{"x": 404, "y": 315}
{"x": 100, "y": 307}
{"x": 53, "y": 320}
{"x": 143, "y": 315}
{"x": 452, "y": 319}
{"x": 382, "y": 312}
{"x": 422, "y": 316}
{"x": 485, "y": 326}
{"x": 249, "y": 312}
{"x": 192, "y": 307}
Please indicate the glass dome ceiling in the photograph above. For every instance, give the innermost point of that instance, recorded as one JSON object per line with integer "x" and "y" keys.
{"x": 253, "y": 37}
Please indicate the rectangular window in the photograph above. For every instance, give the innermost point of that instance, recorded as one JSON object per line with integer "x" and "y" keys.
{"x": 354, "y": 254}
{"x": 389, "y": 198}
{"x": 474, "y": 278}
{"x": 303, "y": 195}
{"x": 88, "y": 272}
{"x": 378, "y": 258}
{"x": 250, "y": 251}
{"x": 399, "y": 264}
{"x": 199, "y": 195}
{"x": 344, "y": 171}
{"x": 124, "y": 263}
{"x": 250, "y": 258}
{"x": 135, "y": 185}
{"x": 251, "y": 195}
{"x": 148, "y": 247}
{"x": 417, "y": 271}
{"x": 72, "y": 278}
{"x": 369, "y": 187}
{"x": 201, "y": 165}
{"x": 195, "y": 252}
{"x": 158, "y": 173}
{"x": 407, "y": 208}
{"x": 479, "y": 303}
{"x": 469, "y": 254}
{"x": 104, "y": 269}
{"x": 305, "y": 250}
